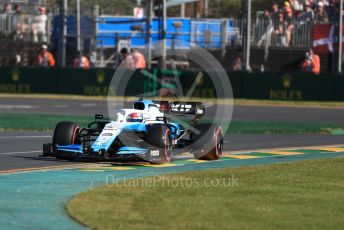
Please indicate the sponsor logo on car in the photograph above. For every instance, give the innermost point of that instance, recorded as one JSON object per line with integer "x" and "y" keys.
{"x": 155, "y": 153}
{"x": 107, "y": 134}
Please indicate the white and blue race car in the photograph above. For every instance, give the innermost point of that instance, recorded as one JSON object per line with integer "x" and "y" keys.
{"x": 146, "y": 132}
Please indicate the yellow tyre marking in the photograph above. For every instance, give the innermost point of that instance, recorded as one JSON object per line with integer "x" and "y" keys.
{"x": 197, "y": 161}
{"x": 92, "y": 170}
{"x": 235, "y": 156}
{"x": 161, "y": 165}
{"x": 119, "y": 168}
{"x": 337, "y": 150}
{"x": 58, "y": 167}
{"x": 140, "y": 164}
{"x": 285, "y": 153}
{"x": 102, "y": 169}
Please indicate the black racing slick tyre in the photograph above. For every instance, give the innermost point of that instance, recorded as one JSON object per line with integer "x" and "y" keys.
{"x": 160, "y": 144}
{"x": 208, "y": 143}
{"x": 65, "y": 133}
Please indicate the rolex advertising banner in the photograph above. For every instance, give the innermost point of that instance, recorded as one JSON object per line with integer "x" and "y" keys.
{"x": 96, "y": 82}
{"x": 288, "y": 86}
{"x": 338, "y": 83}
{"x": 28, "y": 80}
{"x": 93, "y": 82}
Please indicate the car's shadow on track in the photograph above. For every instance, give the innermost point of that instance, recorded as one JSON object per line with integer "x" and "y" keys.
{"x": 101, "y": 163}
{"x": 51, "y": 159}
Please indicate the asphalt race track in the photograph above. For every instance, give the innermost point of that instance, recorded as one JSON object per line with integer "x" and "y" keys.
{"x": 36, "y": 198}
{"x": 241, "y": 112}
{"x": 21, "y": 150}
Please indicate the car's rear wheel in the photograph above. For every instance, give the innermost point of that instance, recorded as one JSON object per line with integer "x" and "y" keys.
{"x": 160, "y": 144}
{"x": 208, "y": 143}
{"x": 65, "y": 133}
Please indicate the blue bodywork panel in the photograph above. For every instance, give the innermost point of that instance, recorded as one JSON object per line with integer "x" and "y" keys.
{"x": 135, "y": 126}
{"x": 107, "y": 137}
{"x": 132, "y": 150}
{"x": 70, "y": 148}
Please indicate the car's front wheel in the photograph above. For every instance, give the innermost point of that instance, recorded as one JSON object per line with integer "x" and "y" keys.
{"x": 159, "y": 141}
{"x": 65, "y": 133}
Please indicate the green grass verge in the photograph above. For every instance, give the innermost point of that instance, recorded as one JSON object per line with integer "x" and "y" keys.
{"x": 317, "y": 104}
{"x": 242, "y": 127}
{"x": 37, "y": 122}
{"x": 41, "y": 122}
{"x": 301, "y": 195}
{"x": 305, "y": 104}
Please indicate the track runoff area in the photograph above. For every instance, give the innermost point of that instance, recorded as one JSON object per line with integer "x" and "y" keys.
{"x": 38, "y": 196}
{"x": 40, "y": 188}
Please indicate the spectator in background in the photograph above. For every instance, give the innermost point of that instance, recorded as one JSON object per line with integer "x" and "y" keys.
{"x": 333, "y": 11}
{"x": 321, "y": 15}
{"x": 45, "y": 58}
{"x": 117, "y": 58}
{"x": 237, "y": 64}
{"x": 139, "y": 58}
{"x": 25, "y": 60}
{"x": 279, "y": 28}
{"x": 93, "y": 59}
{"x": 81, "y": 61}
{"x": 326, "y": 2}
{"x": 266, "y": 14}
{"x": 295, "y": 5}
{"x": 266, "y": 19}
{"x": 275, "y": 9}
{"x": 313, "y": 4}
{"x": 289, "y": 18}
{"x": 128, "y": 61}
{"x": 19, "y": 25}
{"x": 39, "y": 25}
{"x": 308, "y": 9}
{"x": 5, "y": 22}
{"x": 283, "y": 31}
{"x": 274, "y": 12}
{"x": 311, "y": 64}
{"x": 7, "y": 9}
{"x": 289, "y": 34}
{"x": 16, "y": 17}
{"x": 16, "y": 60}
{"x": 288, "y": 11}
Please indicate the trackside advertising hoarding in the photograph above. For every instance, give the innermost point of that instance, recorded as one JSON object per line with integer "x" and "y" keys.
{"x": 95, "y": 82}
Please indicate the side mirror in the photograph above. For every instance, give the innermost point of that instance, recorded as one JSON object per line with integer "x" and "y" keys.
{"x": 98, "y": 117}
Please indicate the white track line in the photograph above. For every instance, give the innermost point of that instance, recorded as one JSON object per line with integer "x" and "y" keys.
{"x": 61, "y": 106}
{"x": 20, "y": 137}
{"x": 89, "y": 105}
{"x": 3, "y": 106}
{"x": 20, "y": 152}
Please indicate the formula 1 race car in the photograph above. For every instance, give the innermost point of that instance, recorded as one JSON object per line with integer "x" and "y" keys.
{"x": 144, "y": 133}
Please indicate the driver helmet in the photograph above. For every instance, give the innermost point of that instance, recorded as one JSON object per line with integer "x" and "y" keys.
{"x": 134, "y": 117}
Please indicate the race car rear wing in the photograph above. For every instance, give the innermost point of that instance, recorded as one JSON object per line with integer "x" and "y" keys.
{"x": 181, "y": 108}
